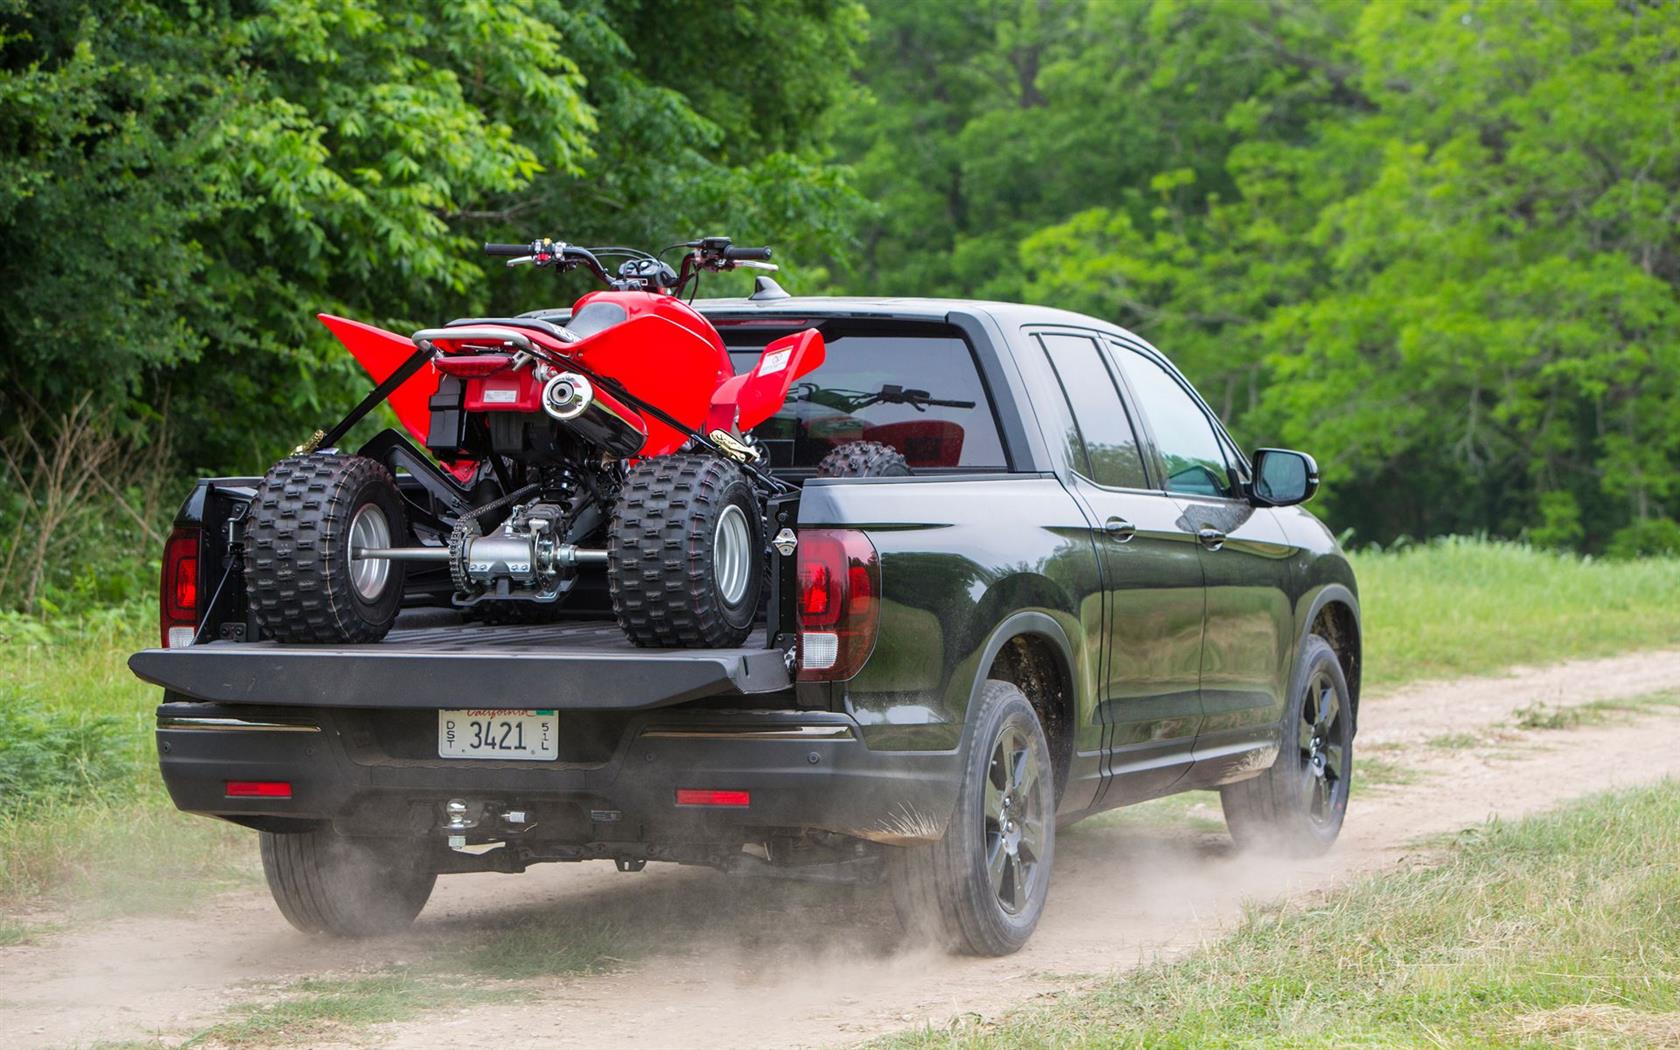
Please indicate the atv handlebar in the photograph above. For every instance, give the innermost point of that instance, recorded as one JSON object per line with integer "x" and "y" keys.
{"x": 642, "y": 271}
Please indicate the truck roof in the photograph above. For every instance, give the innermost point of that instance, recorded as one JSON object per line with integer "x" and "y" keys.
{"x": 915, "y": 308}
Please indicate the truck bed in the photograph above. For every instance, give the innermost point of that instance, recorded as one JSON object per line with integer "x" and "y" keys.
{"x": 575, "y": 665}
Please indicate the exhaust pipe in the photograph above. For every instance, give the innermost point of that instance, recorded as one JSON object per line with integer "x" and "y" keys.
{"x": 595, "y": 416}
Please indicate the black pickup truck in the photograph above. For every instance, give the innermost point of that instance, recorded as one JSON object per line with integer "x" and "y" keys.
{"x": 1084, "y": 595}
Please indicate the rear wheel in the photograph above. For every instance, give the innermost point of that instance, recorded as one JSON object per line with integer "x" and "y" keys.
{"x": 343, "y": 887}
{"x": 685, "y": 553}
{"x": 1297, "y": 806}
{"x": 980, "y": 889}
{"x": 310, "y": 516}
{"x": 864, "y": 459}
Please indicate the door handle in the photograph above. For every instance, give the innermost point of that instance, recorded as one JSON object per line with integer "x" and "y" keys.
{"x": 1212, "y": 539}
{"x": 1120, "y": 529}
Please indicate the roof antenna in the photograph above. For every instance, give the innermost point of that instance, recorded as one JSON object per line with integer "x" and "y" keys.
{"x": 766, "y": 289}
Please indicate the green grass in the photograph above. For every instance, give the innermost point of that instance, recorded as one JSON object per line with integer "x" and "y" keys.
{"x": 330, "y": 1008}
{"x": 1541, "y": 715}
{"x": 1372, "y": 771}
{"x": 1554, "y": 931}
{"x": 546, "y": 945}
{"x": 1462, "y": 606}
{"x": 86, "y": 825}
{"x": 1196, "y": 810}
{"x": 1455, "y": 741}
{"x": 319, "y": 1009}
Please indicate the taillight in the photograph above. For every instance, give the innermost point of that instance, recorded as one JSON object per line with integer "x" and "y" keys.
{"x": 179, "y": 598}
{"x": 839, "y": 603}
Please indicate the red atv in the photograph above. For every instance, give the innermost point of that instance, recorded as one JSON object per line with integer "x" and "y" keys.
{"x": 622, "y": 440}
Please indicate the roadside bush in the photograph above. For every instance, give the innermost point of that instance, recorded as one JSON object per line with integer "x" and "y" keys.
{"x": 1652, "y": 537}
{"x": 56, "y": 755}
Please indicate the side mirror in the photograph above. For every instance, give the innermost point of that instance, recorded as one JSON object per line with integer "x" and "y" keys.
{"x": 1283, "y": 478}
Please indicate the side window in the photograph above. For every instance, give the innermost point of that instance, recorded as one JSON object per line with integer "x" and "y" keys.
{"x": 1103, "y": 447}
{"x": 1188, "y": 444}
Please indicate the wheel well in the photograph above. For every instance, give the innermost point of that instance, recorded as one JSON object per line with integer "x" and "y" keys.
{"x": 1337, "y": 625}
{"x": 1034, "y": 665}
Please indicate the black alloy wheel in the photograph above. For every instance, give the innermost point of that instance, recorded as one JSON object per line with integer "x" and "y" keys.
{"x": 1297, "y": 805}
{"x": 981, "y": 887}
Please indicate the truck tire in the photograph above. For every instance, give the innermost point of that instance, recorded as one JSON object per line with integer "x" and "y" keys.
{"x": 686, "y": 553}
{"x": 864, "y": 459}
{"x": 343, "y": 887}
{"x": 308, "y": 514}
{"x": 1297, "y": 806}
{"x": 981, "y": 889}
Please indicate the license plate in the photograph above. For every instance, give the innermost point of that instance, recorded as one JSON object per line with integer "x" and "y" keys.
{"x": 498, "y": 733}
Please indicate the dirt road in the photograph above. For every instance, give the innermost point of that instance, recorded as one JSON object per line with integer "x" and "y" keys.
{"x": 734, "y": 963}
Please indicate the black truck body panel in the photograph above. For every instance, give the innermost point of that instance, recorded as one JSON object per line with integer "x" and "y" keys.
{"x": 1161, "y": 665}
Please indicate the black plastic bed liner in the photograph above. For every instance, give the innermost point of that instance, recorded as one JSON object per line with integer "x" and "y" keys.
{"x": 585, "y": 665}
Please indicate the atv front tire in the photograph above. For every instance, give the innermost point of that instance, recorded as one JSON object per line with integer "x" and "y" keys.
{"x": 304, "y": 580}
{"x": 864, "y": 459}
{"x": 686, "y": 553}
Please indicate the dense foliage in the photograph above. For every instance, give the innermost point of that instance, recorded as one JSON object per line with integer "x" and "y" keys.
{"x": 182, "y": 187}
{"x": 1435, "y": 243}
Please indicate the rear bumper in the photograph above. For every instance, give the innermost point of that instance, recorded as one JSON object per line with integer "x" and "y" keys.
{"x": 802, "y": 769}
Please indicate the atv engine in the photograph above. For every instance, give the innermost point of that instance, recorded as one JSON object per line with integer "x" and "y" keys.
{"x": 526, "y": 558}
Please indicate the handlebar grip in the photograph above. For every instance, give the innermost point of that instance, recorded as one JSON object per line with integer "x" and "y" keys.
{"x": 507, "y": 249}
{"x": 746, "y": 253}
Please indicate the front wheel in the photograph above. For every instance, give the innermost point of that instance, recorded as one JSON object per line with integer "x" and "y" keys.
{"x": 344, "y": 887}
{"x": 1297, "y": 806}
{"x": 686, "y": 553}
{"x": 981, "y": 889}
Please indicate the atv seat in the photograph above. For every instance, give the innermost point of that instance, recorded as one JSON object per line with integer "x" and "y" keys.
{"x": 548, "y": 328}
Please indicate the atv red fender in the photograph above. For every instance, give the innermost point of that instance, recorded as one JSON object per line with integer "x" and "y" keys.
{"x": 749, "y": 399}
{"x": 666, "y": 364}
{"x": 380, "y": 352}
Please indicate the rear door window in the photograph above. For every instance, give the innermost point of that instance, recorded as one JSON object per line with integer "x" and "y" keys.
{"x": 919, "y": 393}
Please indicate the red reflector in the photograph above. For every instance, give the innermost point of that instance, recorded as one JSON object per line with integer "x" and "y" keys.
{"x": 477, "y": 365}
{"x": 259, "y": 789}
{"x": 705, "y": 797}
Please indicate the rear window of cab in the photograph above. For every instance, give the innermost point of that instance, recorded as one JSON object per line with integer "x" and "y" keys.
{"x": 919, "y": 392}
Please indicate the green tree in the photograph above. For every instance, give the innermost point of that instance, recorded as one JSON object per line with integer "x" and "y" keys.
{"x": 1433, "y": 243}
{"x": 184, "y": 187}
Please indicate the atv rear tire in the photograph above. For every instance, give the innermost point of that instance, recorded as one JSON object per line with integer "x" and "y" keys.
{"x": 343, "y": 887}
{"x": 864, "y": 459}
{"x": 686, "y": 554}
{"x": 308, "y": 514}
